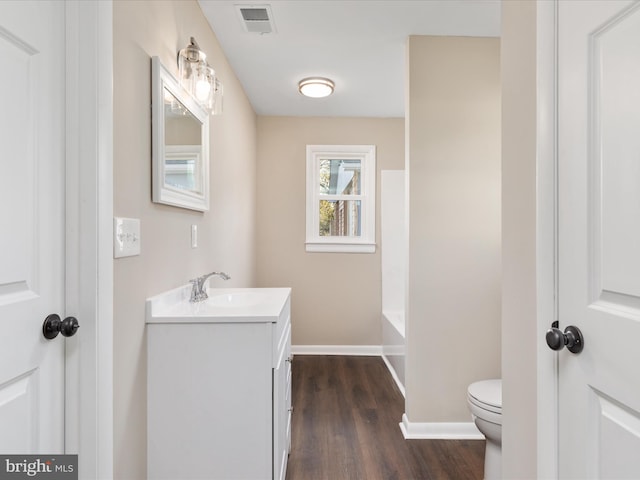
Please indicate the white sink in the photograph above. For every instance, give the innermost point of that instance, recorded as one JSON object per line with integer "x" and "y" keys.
{"x": 237, "y": 299}
{"x": 223, "y": 305}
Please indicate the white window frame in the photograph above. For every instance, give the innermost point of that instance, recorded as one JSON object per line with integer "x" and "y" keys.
{"x": 366, "y": 242}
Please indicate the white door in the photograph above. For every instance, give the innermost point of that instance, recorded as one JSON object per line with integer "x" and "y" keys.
{"x": 599, "y": 237}
{"x": 32, "y": 146}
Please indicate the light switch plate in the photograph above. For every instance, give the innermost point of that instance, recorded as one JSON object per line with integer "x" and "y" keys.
{"x": 126, "y": 237}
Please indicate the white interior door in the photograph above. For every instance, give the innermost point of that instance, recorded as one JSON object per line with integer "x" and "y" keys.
{"x": 32, "y": 120}
{"x": 599, "y": 237}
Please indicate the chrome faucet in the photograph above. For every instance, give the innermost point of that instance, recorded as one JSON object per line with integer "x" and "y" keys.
{"x": 198, "y": 293}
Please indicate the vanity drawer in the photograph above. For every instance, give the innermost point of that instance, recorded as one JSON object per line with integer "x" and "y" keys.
{"x": 288, "y": 440}
{"x": 282, "y": 337}
{"x": 288, "y": 399}
{"x": 288, "y": 395}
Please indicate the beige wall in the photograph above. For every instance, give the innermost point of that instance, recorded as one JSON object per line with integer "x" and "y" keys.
{"x": 519, "y": 302}
{"x": 336, "y": 297}
{"x": 226, "y": 233}
{"x": 454, "y": 284}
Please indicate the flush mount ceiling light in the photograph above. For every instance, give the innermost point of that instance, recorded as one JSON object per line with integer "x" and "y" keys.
{"x": 316, "y": 87}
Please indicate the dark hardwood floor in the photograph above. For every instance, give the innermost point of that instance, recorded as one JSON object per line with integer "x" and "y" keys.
{"x": 345, "y": 427}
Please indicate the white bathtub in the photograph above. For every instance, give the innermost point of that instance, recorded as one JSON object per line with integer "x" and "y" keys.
{"x": 393, "y": 345}
{"x": 393, "y": 261}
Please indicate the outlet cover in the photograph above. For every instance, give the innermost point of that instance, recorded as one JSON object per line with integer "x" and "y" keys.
{"x": 194, "y": 236}
{"x": 126, "y": 237}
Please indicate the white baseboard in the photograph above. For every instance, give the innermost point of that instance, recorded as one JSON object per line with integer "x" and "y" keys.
{"x": 394, "y": 375}
{"x": 363, "y": 350}
{"x": 440, "y": 430}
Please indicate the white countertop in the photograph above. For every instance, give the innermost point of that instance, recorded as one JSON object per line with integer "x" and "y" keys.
{"x": 224, "y": 305}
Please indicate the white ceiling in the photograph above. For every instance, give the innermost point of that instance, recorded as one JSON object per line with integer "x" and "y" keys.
{"x": 359, "y": 44}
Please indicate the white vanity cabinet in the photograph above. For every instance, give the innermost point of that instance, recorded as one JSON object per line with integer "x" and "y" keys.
{"x": 219, "y": 389}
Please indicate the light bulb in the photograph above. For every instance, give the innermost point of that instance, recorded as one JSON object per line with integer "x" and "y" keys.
{"x": 203, "y": 89}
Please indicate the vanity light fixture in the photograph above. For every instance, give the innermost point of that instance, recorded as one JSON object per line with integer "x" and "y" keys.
{"x": 316, "y": 87}
{"x": 199, "y": 78}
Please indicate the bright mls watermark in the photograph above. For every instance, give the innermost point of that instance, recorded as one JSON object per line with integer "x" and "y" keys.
{"x": 50, "y": 467}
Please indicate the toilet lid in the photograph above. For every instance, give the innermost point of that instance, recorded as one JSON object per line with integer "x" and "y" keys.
{"x": 487, "y": 392}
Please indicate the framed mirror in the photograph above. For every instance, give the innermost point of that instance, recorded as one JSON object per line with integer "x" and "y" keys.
{"x": 180, "y": 143}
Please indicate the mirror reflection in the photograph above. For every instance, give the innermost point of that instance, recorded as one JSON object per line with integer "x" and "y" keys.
{"x": 183, "y": 144}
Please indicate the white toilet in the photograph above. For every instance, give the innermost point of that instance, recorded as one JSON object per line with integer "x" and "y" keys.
{"x": 485, "y": 403}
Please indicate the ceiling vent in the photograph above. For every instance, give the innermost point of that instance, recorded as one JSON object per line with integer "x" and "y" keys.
{"x": 256, "y": 18}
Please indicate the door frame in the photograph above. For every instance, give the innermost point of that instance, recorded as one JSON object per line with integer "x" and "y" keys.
{"x": 89, "y": 244}
{"x": 547, "y": 236}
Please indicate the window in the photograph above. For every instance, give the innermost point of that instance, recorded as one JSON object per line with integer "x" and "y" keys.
{"x": 341, "y": 198}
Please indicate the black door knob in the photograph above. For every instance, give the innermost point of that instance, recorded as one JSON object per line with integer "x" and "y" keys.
{"x": 52, "y": 326}
{"x": 571, "y": 338}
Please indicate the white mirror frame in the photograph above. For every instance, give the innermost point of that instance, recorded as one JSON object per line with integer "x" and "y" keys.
{"x": 198, "y": 199}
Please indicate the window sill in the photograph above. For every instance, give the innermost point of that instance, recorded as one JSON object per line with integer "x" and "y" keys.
{"x": 340, "y": 247}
